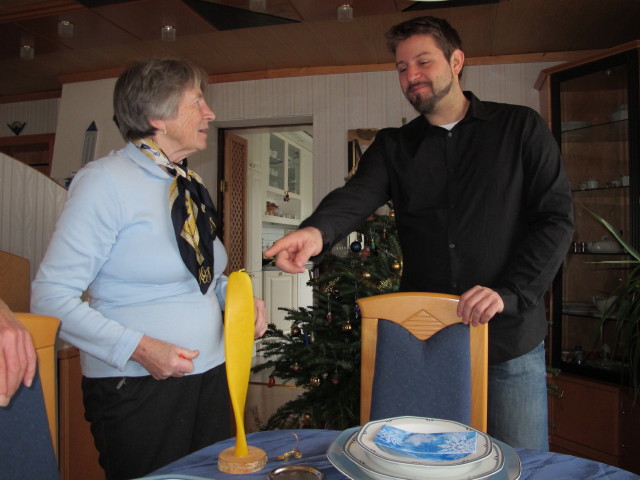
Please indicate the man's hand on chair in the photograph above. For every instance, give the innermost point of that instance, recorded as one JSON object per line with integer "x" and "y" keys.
{"x": 479, "y": 305}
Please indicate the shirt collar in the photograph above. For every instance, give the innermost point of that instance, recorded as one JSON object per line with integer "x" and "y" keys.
{"x": 144, "y": 162}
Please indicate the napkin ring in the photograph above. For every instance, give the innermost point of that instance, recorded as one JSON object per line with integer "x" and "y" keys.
{"x": 295, "y": 453}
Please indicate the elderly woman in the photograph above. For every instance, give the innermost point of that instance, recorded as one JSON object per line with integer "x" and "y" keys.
{"x": 138, "y": 232}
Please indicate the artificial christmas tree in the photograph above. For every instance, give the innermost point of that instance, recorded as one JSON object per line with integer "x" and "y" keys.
{"x": 321, "y": 350}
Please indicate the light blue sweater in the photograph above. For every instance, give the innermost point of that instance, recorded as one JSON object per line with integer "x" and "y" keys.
{"x": 115, "y": 240}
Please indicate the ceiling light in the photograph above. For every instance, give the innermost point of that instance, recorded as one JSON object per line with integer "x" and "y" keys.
{"x": 27, "y": 47}
{"x": 168, "y": 33}
{"x": 258, "y": 5}
{"x": 65, "y": 29}
{"x": 345, "y": 13}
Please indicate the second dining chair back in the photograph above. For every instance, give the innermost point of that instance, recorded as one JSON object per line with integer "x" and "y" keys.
{"x": 419, "y": 359}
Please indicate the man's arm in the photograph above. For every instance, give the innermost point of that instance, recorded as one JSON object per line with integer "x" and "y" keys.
{"x": 338, "y": 213}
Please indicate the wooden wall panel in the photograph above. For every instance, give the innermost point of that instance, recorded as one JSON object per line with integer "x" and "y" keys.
{"x": 40, "y": 115}
{"x": 31, "y": 204}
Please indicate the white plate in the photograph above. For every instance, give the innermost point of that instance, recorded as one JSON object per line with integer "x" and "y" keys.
{"x": 511, "y": 470}
{"x": 385, "y": 458}
{"x": 491, "y": 464}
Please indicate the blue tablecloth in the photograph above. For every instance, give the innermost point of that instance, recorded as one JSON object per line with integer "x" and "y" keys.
{"x": 314, "y": 443}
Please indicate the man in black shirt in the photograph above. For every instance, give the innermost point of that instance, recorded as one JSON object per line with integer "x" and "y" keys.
{"x": 483, "y": 210}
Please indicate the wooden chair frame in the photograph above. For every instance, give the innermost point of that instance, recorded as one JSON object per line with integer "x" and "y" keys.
{"x": 423, "y": 314}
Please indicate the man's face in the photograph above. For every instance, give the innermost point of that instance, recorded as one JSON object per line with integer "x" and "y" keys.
{"x": 426, "y": 77}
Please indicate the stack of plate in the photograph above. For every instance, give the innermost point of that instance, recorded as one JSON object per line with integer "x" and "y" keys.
{"x": 358, "y": 456}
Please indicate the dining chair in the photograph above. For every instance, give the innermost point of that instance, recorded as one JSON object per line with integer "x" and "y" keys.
{"x": 43, "y": 331}
{"x": 419, "y": 359}
{"x": 28, "y": 425}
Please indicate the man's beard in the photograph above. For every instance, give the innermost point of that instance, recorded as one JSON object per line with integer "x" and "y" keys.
{"x": 426, "y": 106}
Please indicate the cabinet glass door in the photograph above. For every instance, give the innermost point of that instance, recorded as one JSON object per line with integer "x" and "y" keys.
{"x": 591, "y": 106}
{"x": 293, "y": 170}
{"x": 276, "y": 162}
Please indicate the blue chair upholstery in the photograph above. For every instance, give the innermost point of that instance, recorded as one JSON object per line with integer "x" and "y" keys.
{"x": 26, "y": 449}
{"x": 440, "y": 390}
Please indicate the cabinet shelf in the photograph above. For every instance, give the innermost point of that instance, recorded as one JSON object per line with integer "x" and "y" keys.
{"x": 614, "y": 131}
{"x": 280, "y": 220}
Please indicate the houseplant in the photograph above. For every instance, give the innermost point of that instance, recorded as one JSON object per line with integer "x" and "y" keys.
{"x": 624, "y": 308}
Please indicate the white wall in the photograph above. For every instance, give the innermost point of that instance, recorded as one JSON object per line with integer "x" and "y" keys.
{"x": 333, "y": 103}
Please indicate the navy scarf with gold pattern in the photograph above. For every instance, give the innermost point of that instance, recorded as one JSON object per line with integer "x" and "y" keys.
{"x": 193, "y": 215}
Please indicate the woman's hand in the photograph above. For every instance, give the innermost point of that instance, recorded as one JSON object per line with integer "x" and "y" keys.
{"x": 261, "y": 317}
{"x": 163, "y": 359}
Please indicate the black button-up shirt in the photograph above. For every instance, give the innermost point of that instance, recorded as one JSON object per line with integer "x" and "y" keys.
{"x": 487, "y": 203}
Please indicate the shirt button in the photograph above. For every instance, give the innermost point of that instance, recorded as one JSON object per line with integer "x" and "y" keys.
{"x": 452, "y": 245}
{"x": 454, "y": 284}
{"x": 449, "y": 134}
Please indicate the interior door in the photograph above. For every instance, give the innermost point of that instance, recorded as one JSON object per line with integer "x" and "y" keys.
{"x": 234, "y": 200}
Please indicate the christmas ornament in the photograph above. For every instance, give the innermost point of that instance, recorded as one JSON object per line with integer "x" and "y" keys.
{"x": 395, "y": 265}
{"x": 292, "y": 453}
{"x": 306, "y": 338}
{"x": 346, "y": 327}
{"x": 286, "y": 196}
{"x": 356, "y": 246}
{"x": 366, "y": 274}
{"x": 392, "y": 213}
{"x": 295, "y": 331}
{"x": 315, "y": 381}
{"x": 272, "y": 381}
{"x": 306, "y": 419}
{"x": 296, "y": 367}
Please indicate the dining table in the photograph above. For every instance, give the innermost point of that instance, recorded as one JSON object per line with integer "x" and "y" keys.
{"x": 308, "y": 447}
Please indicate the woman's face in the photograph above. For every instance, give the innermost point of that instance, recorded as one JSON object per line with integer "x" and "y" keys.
{"x": 187, "y": 130}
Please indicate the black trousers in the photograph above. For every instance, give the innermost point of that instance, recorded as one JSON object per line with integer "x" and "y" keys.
{"x": 140, "y": 424}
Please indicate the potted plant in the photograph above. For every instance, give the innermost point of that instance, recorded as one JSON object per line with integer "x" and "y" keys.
{"x": 624, "y": 309}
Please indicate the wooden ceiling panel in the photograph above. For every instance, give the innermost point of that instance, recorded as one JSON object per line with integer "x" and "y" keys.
{"x": 107, "y": 38}
{"x": 90, "y": 30}
{"x": 144, "y": 19}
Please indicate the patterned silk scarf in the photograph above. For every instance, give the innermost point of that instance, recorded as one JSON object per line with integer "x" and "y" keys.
{"x": 192, "y": 212}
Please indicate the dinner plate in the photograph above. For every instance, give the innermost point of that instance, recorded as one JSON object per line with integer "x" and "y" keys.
{"x": 511, "y": 470}
{"x": 387, "y": 458}
{"x": 473, "y": 471}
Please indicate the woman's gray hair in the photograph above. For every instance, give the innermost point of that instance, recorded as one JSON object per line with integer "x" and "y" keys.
{"x": 152, "y": 89}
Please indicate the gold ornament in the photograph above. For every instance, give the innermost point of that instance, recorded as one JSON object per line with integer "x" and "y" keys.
{"x": 315, "y": 381}
{"x": 392, "y": 213}
{"x": 296, "y": 367}
{"x": 366, "y": 274}
{"x": 395, "y": 265}
{"x": 295, "y": 331}
{"x": 346, "y": 327}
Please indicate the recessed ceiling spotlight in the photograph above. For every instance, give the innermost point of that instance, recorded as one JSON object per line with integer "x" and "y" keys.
{"x": 168, "y": 33}
{"x": 65, "y": 29}
{"x": 27, "y": 47}
{"x": 345, "y": 13}
{"x": 258, "y": 5}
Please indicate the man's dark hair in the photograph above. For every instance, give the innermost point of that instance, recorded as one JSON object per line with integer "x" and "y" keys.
{"x": 442, "y": 32}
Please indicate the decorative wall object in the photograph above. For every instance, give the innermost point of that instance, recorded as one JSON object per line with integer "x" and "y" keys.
{"x": 89, "y": 148}
{"x": 16, "y": 126}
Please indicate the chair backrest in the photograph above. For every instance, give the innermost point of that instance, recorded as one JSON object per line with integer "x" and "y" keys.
{"x": 15, "y": 282}
{"x": 429, "y": 320}
{"x": 43, "y": 330}
{"x": 28, "y": 426}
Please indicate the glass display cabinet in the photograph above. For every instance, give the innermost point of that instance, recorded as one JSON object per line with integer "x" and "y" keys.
{"x": 594, "y": 116}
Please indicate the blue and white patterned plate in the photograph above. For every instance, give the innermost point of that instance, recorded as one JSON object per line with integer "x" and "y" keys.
{"x": 421, "y": 425}
{"x": 437, "y": 447}
{"x": 336, "y": 454}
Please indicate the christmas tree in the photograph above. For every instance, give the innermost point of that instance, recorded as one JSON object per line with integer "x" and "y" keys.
{"x": 321, "y": 351}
